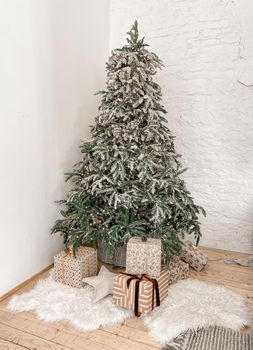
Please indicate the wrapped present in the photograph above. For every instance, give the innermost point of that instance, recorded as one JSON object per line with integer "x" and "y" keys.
{"x": 141, "y": 293}
{"x": 71, "y": 270}
{"x": 178, "y": 270}
{"x": 144, "y": 256}
{"x": 193, "y": 256}
{"x": 116, "y": 257}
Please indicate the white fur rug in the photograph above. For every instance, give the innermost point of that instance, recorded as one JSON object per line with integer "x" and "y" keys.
{"x": 52, "y": 301}
{"x": 192, "y": 304}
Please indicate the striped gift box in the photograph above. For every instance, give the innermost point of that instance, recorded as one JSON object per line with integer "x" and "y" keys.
{"x": 125, "y": 296}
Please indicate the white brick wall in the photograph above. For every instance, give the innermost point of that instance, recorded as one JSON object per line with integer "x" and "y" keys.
{"x": 207, "y": 82}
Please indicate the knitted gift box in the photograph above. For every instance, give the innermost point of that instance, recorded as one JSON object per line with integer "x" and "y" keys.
{"x": 178, "y": 270}
{"x": 71, "y": 270}
{"x": 193, "y": 256}
{"x": 144, "y": 256}
{"x": 139, "y": 292}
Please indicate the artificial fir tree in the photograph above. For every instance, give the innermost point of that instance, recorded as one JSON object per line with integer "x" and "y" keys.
{"x": 128, "y": 181}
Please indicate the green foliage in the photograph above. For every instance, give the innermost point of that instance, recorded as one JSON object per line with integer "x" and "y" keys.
{"x": 134, "y": 43}
{"x": 128, "y": 181}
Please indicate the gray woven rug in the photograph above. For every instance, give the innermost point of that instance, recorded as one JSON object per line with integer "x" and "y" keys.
{"x": 213, "y": 338}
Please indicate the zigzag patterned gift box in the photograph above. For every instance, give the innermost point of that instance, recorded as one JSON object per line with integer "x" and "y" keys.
{"x": 71, "y": 270}
{"x": 140, "y": 293}
{"x": 193, "y": 256}
{"x": 178, "y": 270}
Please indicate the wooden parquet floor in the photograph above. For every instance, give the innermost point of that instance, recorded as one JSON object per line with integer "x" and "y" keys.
{"x": 24, "y": 331}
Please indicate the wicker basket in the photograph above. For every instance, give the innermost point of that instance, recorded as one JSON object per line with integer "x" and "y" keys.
{"x": 116, "y": 257}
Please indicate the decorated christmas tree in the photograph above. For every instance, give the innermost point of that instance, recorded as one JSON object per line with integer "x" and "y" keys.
{"x": 128, "y": 180}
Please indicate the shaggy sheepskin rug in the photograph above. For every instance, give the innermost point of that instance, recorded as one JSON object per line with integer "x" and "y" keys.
{"x": 192, "y": 304}
{"x": 52, "y": 301}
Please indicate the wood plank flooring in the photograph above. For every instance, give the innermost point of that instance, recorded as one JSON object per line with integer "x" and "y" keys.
{"x": 24, "y": 331}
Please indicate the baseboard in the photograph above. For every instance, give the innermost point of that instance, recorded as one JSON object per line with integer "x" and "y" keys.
{"x": 23, "y": 284}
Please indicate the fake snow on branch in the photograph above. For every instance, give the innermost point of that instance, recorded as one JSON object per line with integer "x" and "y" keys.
{"x": 127, "y": 182}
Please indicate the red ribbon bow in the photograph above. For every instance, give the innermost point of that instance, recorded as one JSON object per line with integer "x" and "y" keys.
{"x": 138, "y": 279}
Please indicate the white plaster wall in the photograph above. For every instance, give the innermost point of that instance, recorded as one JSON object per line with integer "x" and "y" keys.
{"x": 207, "y": 82}
{"x": 52, "y": 60}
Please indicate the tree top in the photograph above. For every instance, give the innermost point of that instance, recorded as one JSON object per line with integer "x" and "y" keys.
{"x": 134, "y": 42}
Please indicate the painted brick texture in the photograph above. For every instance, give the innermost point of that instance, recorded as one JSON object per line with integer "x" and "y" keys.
{"x": 207, "y": 83}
